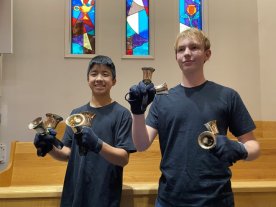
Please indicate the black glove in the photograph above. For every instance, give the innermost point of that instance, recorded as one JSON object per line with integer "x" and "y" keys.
{"x": 229, "y": 151}
{"x": 44, "y": 142}
{"x": 88, "y": 141}
{"x": 140, "y": 96}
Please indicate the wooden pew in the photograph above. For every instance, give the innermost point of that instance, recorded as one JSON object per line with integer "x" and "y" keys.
{"x": 26, "y": 168}
{"x": 32, "y": 181}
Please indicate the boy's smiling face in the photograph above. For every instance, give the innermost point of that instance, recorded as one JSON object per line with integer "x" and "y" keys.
{"x": 100, "y": 80}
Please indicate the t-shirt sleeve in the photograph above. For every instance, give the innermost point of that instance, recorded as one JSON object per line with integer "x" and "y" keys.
{"x": 240, "y": 119}
{"x": 68, "y": 135}
{"x": 152, "y": 117}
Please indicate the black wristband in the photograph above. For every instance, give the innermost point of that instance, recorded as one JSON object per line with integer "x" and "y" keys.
{"x": 99, "y": 146}
{"x": 137, "y": 111}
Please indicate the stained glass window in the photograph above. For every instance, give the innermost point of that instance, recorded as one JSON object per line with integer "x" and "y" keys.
{"x": 190, "y": 14}
{"x": 83, "y": 27}
{"x": 137, "y": 27}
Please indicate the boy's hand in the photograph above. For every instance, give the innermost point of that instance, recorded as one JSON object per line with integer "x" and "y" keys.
{"x": 44, "y": 142}
{"x": 229, "y": 151}
{"x": 140, "y": 96}
{"x": 88, "y": 141}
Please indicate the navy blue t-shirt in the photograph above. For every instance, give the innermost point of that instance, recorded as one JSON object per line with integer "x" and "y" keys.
{"x": 192, "y": 176}
{"x": 91, "y": 180}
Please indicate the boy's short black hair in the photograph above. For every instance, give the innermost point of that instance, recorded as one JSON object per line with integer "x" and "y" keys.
{"x": 102, "y": 60}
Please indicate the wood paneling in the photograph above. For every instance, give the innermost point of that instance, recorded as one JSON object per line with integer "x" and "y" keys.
{"x": 253, "y": 194}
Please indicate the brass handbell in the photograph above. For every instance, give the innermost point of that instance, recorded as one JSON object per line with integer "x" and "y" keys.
{"x": 147, "y": 74}
{"x": 52, "y": 120}
{"x": 161, "y": 89}
{"x": 41, "y": 126}
{"x": 77, "y": 121}
{"x": 207, "y": 139}
{"x": 38, "y": 125}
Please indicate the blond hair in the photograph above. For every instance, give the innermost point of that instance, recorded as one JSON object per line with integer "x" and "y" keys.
{"x": 193, "y": 33}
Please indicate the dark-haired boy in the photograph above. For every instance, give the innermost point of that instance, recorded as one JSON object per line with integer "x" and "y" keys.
{"x": 96, "y": 178}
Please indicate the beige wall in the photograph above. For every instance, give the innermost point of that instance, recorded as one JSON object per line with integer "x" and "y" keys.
{"x": 6, "y": 33}
{"x": 267, "y": 46}
{"x": 233, "y": 30}
{"x": 37, "y": 79}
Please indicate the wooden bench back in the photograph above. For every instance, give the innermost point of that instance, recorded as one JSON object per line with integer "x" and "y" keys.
{"x": 263, "y": 168}
{"x": 144, "y": 166}
{"x": 25, "y": 168}
{"x": 29, "y": 169}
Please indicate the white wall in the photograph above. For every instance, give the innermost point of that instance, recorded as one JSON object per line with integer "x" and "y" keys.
{"x": 6, "y": 29}
{"x": 38, "y": 79}
{"x": 267, "y": 46}
{"x": 233, "y": 31}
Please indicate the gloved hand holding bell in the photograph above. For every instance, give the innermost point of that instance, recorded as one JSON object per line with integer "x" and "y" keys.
{"x": 141, "y": 95}
{"x": 147, "y": 75}
{"x": 45, "y": 137}
{"x": 86, "y": 139}
{"x": 79, "y": 120}
{"x": 226, "y": 150}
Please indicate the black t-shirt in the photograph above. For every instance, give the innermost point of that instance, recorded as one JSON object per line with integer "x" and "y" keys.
{"x": 192, "y": 176}
{"x": 91, "y": 180}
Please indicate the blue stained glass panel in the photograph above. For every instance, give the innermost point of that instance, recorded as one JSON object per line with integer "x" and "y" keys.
{"x": 83, "y": 27}
{"x": 190, "y": 14}
{"x": 137, "y": 27}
